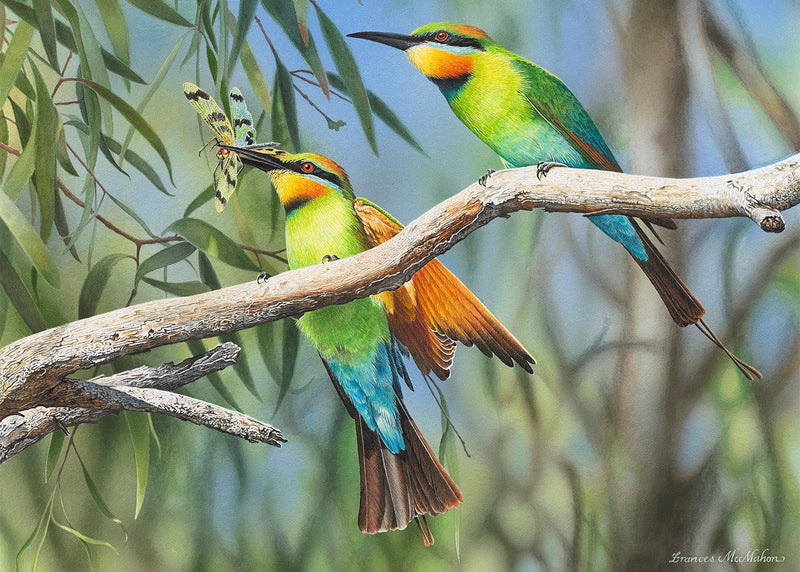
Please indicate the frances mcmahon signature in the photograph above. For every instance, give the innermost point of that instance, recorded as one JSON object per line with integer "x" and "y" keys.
{"x": 733, "y": 556}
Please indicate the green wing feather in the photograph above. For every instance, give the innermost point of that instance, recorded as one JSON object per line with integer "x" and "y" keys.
{"x": 560, "y": 108}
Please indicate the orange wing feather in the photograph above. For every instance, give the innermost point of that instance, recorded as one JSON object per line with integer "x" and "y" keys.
{"x": 433, "y": 310}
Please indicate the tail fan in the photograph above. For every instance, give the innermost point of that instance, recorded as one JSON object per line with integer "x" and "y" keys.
{"x": 682, "y": 305}
{"x": 398, "y": 488}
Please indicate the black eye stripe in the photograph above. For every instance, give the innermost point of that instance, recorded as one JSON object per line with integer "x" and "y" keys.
{"x": 453, "y": 40}
{"x": 297, "y": 166}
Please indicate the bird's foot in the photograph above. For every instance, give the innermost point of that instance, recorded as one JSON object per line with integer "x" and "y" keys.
{"x": 485, "y": 177}
{"x": 543, "y": 168}
{"x": 329, "y": 258}
{"x": 262, "y": 277}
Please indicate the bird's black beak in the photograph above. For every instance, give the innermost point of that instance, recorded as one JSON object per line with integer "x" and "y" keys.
{"x": 261, "y": 156}
{"x": 399, "y": 41}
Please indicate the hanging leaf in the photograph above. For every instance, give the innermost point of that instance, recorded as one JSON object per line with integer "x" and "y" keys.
{"x": 3, "y": 138}
{"x": 53, "y": 452}
{"x": 382, "y": 112}
{"x": 3, "y": 297}
{"x": 116, "y": 28}
{"x": 92, "y": 65}
{"x": 41, "y": 526}
{"x": 19, "y": 296}
{"x": 284, "y": 14}
{"x": 46, "y": 151}
{"x": 134, "y": 159}
{"x": 254, "y": 75}
{"x": 161, "y": 11}
{"x": 84, "y": 538}
{"x": 348, "y": 70}
{"x": 94, "y": 284}
{"x": 248, "y": 60}
{"x": 163, "y": 258}
{"x": 154, "y": 85}
{"x": 240, "y": 27}
{"x": 205, "y": 196}
{"x": 189, "y": 288}
{"x": 301, "y": 11}
{"x": 290, "y": 344}
{"x": 284, "y": 103}
{"x": 22, "y": 171}
{"x": 62, "y": 153}
{"x": 142, "y": 126}
{"x": 47, "y": 30}
{"x": 66, "y": 39}
{"x": 29, "y": 240}
{"x": 98, "y": 498}
{"x": 62, "y": 227}
{"x": 14, "y": 57}
{"x": 213, "y": 241}
{"x": 139, "y": 428}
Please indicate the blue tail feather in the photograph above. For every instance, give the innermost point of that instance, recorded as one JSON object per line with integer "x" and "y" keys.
{"x": 622, "y": 230}
{"x": 373, "y": 388}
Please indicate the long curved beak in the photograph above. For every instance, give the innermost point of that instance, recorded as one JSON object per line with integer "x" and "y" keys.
{"x": 399, "y": 41}
{"x": 262, "y": 156}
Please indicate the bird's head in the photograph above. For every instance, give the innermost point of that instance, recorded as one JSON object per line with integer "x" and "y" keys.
{"x": 298, "y": 177}
{"x": 442, "y": 51}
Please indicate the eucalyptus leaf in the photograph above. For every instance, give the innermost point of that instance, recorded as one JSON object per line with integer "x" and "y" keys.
{"x": 95, "y": 282}
{"x": 163, "y": 258}
{"x": 19, "y": 296}
{"x": 348, "y": 69}
{"x": 212, "y": 241}
{"x": 14, "y": 56}
{"x": 43, "y": 10}
{"x": 142, "y": 126}
{"x": 139, "y": 429}
{"x": 29, "y": 240}
{"x": 162, "y": 11}
{"x": 188, "y": 288}
{"x": 46, "y": 151}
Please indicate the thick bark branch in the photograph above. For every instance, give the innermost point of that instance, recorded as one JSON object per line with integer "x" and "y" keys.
{"x": 31, "y": 367}
{"x": 147, "y": 389}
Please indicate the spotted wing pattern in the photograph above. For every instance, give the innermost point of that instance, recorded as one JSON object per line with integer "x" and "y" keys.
{"x": 227, "y": 171}
{"x": 434, "y": 310}
{"x": 244, "y": 132}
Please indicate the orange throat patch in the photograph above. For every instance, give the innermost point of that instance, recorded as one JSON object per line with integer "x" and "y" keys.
{"x": 439, "y": 63}
{"x": 293, "y": 189}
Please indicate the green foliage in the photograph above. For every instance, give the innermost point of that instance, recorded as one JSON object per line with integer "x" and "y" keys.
{"x": 58, "y": 139}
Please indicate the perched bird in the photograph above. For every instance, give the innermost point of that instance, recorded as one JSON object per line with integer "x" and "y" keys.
{"x": 529, "y": 117}
{"x": 362, "y": 342}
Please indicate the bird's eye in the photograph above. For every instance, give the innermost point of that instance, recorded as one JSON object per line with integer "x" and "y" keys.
{"x": 307, "y": 167}
{"x": 441, "y": 36}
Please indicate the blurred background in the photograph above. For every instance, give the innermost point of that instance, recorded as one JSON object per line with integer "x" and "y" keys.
{"x": 634, "y": 439}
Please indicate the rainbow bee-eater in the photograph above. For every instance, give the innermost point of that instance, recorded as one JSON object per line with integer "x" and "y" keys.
{"x": 362, "y": 343}
{"x": 529, "y": 117}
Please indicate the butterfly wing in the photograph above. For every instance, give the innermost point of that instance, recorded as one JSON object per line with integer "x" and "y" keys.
{"x": 244, "y": 132}
{"x": 210, "y": 112}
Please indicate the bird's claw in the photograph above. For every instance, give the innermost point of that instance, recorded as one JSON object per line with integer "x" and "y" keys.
{"x": 329, "y": 258}
{"x": 543, "y": 168}
{"x": 485, "y": 177}
{"x": 262, "y": 277}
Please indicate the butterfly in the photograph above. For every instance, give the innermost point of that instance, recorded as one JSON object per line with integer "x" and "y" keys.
{"x": 241, "y": 133}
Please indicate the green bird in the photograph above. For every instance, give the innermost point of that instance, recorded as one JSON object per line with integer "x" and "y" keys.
{"x": 529, "y": 117}
{"x": 362, "y": 343}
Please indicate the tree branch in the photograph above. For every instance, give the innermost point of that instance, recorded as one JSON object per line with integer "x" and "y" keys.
{"x": 147, "y": 389}
{"x": 31, "y": 367}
